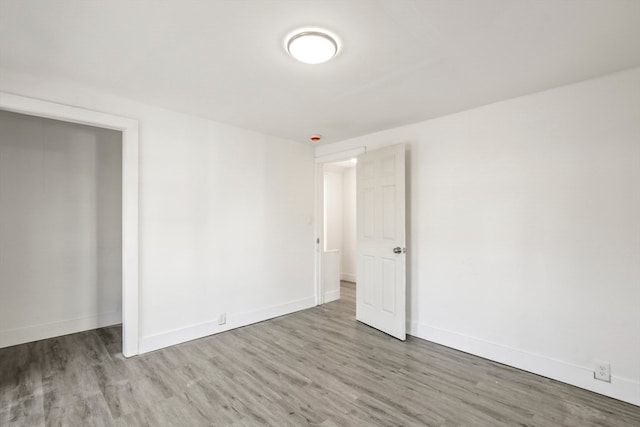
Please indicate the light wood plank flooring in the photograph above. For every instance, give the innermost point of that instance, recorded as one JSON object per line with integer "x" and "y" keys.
{"x": 315, "y": 367}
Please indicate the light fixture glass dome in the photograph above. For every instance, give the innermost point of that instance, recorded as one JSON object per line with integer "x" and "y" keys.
{"x": 312, "y": 47}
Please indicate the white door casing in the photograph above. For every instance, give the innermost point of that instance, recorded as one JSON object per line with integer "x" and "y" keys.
{"x": 381, "y": 287}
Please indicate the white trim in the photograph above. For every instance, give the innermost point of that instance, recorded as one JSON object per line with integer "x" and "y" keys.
{"x": 348, "y": 277}
{"x": 319, "y": 205}
{"x": 200, "y": 330}
{"x": 620, "y": 388}
{"x": 130, "y": 197}
{"x": 341, "y": 155}
{"x": 55, "y": 329}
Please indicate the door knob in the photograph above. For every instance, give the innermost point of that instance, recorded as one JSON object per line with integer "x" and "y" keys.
{"x": 397, "y": 250}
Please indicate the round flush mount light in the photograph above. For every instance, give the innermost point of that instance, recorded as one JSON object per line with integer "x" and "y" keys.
{"x": 312, "y": 47}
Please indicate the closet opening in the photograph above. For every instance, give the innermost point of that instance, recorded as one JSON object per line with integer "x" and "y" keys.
{"x": 68, "y": 224}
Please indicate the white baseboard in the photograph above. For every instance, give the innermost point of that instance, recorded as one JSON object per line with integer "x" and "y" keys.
{"x": 55, "y": 329}
{"x": 348, "y": 277}
{"x": 199, "y": 330}
{"x": 623, "y": 389}
{"x": 331, "y": 295}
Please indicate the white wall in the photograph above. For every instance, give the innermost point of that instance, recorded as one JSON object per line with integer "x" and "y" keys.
{"x": 60, "y": 228}
{"x": 332, "y": 208}
{"x": 226, "y": 217}
{"x": 348, "y": 264}
{"x": 524, "y": 230}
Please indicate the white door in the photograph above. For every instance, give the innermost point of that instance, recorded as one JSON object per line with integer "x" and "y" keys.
{"x": 380, "y": 296}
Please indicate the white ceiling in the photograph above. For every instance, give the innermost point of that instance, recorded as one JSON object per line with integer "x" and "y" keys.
{"x": 401, "y": 61}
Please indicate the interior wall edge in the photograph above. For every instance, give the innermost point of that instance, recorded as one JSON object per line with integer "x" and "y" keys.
{"x": 619, "y": 388}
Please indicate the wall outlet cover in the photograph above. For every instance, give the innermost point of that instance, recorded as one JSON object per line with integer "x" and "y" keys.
{"x": 602, "y": 371}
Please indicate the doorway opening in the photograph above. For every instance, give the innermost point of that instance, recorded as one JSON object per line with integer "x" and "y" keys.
{"x": 380, "y": 243}
{"x": 128, "y": 221}
{"x": 339, "y": 228}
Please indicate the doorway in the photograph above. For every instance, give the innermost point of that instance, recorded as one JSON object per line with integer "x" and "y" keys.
{"x": 339, "y": 228}
{"x": 380, "y": 237}
{"x": 129, "y": 198}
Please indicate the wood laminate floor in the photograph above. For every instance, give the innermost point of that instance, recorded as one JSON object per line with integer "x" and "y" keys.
{"x": 314, "y": 367}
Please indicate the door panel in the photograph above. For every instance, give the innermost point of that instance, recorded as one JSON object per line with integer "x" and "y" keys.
{"x": 388, "y": 285}
{"x": 380, "y": 297}
{"x": 389, "y": 212}
{"x": 367, "y": 282}
{"x": 368, "y": 208}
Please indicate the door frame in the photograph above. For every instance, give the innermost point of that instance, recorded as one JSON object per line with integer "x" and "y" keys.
{"x": 319, "y": 207}
{"x": 130, "y": 195}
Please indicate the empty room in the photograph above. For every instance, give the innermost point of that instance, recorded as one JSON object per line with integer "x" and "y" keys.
{"x": 320, "y": 213}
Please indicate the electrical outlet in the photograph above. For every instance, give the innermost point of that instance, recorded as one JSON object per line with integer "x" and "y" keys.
{"x": 602, "y": 372}
{"x": 222, "y": 319}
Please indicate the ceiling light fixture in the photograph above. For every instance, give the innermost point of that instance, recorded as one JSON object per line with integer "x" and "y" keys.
{"x": 312, "y": 47}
